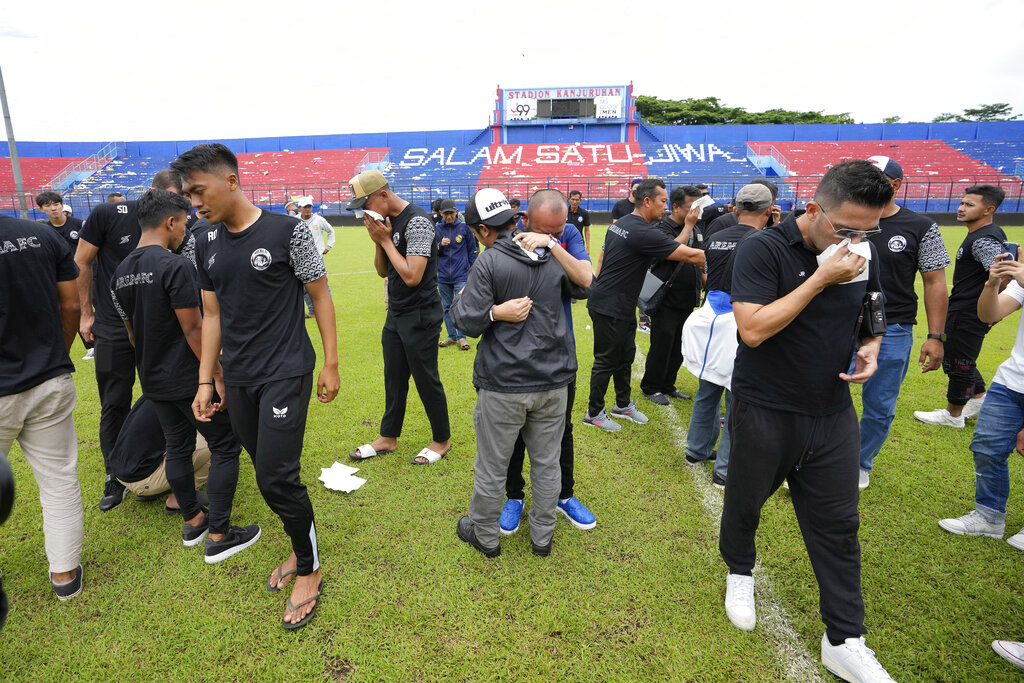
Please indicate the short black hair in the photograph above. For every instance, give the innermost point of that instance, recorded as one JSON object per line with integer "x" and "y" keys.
{"x": 514, "y": 202}
{"x": 436, "y": 204}
{"x": 112, "y": 195}
{"x": 990, "y": 194}
{"x": 165, "y": 180}
{"x": 769, "y": 184}
{"x": 156, "y": 205}
{"x": 48, "y": 197}
{"x": 575, "y": 193}
{"x": 648, "y": 187}
{"x": 702, "y": 186}
{"x": 204, "y": 157}
{"x": 858, "y": 181}
{"x": 678, "y": 195}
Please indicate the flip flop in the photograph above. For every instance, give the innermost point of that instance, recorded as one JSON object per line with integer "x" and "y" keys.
{"x": 305, "y": 620}
{"x": 367, "y": 451}
{"x": 272, "y": 583}
{"x": 431, "y": 456}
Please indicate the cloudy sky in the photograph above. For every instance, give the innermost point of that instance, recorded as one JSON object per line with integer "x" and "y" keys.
{"x": 119, "y": 70}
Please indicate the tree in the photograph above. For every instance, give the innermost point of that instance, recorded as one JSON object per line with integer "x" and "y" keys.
{"x": 998, "y": 111}
{"x": 710, "y": 111}
{"x": 891, "y": 119}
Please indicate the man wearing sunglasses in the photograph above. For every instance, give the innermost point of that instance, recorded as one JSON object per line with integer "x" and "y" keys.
{"x": 796, "y": 309}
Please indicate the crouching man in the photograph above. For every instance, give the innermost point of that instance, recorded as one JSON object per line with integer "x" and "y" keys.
{"x": 524, "y": 362}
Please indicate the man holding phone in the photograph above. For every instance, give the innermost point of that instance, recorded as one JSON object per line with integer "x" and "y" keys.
{"x": 965, "y": 332}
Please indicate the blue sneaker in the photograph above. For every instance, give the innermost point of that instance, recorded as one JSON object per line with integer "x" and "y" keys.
{"x": 577, "y": 513}
{"x": 508, "y": 523}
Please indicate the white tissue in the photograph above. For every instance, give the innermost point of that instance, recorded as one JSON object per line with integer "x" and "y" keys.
{"x": 862, "y": 248}
{"x": 339, "y": 477}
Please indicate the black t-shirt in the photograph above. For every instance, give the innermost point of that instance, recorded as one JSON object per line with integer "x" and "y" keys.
{"x": 623, "y": 207}
{"x": 140, "y": 444}
{"x": 69, "y": 231}
{"x": 710, "y": 214}
{"x": 148, "y": 286}
{"x": 797, "y": 369}
{"x": 970, "y": 273}
{"x": 197, "y": 225}
{"x": 726, "y": 220}
{"x": 685, "y": 277}
{"x": 413, "y": 234}
{"x": 258, "y": 276}
{"x": 579, "y": 218}
{"x": 629, "y": 246}
{"x": 33, "y": 259}
{"x": 114, "y": 230}
{"x": 718, "y": 255}
{"x": 908, "y": 243}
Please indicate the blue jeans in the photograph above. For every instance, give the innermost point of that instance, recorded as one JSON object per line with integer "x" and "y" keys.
{"x": 704, "y": 426}
{"x": 881, "y": 391}
{"x": 448, "y": 293}
{"x": 995, "y": 437}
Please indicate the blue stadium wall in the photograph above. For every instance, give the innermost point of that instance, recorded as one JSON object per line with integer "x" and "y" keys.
{"x": 995, "y": 130}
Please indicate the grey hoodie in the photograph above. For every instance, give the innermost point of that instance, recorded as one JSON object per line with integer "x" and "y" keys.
{"x": 536, "y": 354}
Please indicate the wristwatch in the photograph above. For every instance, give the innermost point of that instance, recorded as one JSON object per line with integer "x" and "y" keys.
{"x": 552, "y": 243}
{"x": 940, "y": 337}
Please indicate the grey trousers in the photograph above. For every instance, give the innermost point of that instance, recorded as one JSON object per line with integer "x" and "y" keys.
{"x": 499, "y": 418}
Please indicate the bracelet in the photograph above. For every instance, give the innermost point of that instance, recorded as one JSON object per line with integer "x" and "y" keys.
{"x": 210, "y": 383}
{"x": 490, "y": 314}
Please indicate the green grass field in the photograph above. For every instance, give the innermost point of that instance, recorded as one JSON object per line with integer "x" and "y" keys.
{"x": 638, "y": 598}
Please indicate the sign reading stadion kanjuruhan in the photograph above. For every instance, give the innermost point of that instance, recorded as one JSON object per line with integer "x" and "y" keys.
{"x": 520, "y": 104}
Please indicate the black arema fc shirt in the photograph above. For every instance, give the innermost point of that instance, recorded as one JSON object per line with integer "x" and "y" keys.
{"x": 718, "y": 251}
{"x": 114, "y": 230}
{"x": 148, "y": 286}
{"x": 413, "y": 234}
{"x": 33, "y": 259}
{"x": 258, "y": 276}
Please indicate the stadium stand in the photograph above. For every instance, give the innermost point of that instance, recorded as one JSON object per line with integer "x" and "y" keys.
{"x": 422, "y": 174}
{"x": 35, "y": 171}
{"x": 1002, "y": 155}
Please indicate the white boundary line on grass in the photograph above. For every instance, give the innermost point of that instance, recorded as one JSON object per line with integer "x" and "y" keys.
{"x": 772, "y": 618}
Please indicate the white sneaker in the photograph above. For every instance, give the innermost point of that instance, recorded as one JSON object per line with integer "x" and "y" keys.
{"x": 1017, "y": 540}
{"x": 852, "y": 661}
{"x": 865, "y": 480}
{"x": 90, "y": 354}
{"x": 1010, "y": 651}
{"x": 939, "y": 417}
{"x": 739, "y": 601}
{"x": 973, "y": 524}
{"x": 972, "y": 408}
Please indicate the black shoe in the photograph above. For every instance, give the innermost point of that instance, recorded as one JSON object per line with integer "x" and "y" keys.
{"x": 235, "y": 540}
{"x": 675, "y": 393}
{"x": 541, "y": 550}
{"x": 658, "y": 398}
{"x": 113, "y": 493}
{"x": 690, "y": 460}
{"x": 66, "y": 591}
{"x": 140, "y": 498}
{"x": 192, "y": 535}
{"x": 467, "y": 533}
{"x": 717, "y": 481}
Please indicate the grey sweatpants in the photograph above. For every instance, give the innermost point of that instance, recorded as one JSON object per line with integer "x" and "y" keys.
{"x": 41, "y": 420}
{"x": 499, "y": 418}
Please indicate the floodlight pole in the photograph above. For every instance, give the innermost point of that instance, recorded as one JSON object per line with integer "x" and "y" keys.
{"x": 19, "y": 184}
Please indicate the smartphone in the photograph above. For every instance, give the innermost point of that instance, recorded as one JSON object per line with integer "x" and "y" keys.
{"x": 1011, "y": 249}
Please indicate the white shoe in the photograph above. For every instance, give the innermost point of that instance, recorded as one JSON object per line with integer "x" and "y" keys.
{"x": 972, "y": 408}
{"x": 90, "y": 354}
{"x": 785, "y": 484}
{"x": 1017, "y": 540}
{"x": 852, "y": 661}
{"x": 973, "y": 524}
{"x": 939, "y": 417}
{"x": 1010, "y": 651}
{"x": 739, "y": 601}
{"x": 865, "y": 480}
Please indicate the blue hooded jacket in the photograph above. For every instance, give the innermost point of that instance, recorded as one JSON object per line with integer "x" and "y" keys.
{"x": 455, "y": 260}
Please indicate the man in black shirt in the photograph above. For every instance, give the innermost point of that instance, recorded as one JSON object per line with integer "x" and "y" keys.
{"x": 796, "y": 295}
{"x": 579, "y": 217}
{"x": 69, "y": 227}
{"x": 37, "y": 394}
{"x": 406, "y": 255}
{"x": 908, "y": 243}
{"x": 684, "y": 281}
{"x": 109, "y": 234}
{"x": 253, "y": 266}
{"x": 155, "y": 293}
{"x": 729, "y": 219}
{"x": 629, "y": 245}
{"x": 965, "y": 332}
{"x": 709, "y": 337}
{"x": 624, "y": 207}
